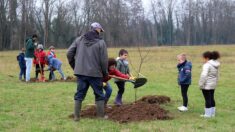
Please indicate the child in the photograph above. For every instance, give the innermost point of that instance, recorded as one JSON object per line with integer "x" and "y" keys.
{"x": 112, "y": 72}
{"x": 39, "y": 60}
{"x": 122, "y": 66}
{"x": 55, "y": 64}
{"x": 184, "y": 79}
{"x": 52, "y": 53}
{"x": 208, "y": 81}
{"x": 20, "y": 59}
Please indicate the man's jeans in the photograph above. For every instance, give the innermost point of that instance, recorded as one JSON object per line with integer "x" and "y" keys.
{"x": 29, "y": 62}
{"x": 83, "y": 83}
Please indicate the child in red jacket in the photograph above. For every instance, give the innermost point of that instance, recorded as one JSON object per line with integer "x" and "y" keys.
{"x": 112, "y": 72}
{"x": 39, "y": 60}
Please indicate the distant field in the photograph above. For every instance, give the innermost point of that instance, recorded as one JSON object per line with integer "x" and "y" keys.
{"x": 46, "y": 106}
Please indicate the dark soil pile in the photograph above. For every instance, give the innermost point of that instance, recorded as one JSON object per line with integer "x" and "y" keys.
{"x": 145, "y": 109}
{"x": 68, "y": 79}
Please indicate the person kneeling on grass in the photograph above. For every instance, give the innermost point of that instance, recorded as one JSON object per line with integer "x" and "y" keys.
{"x": 208, "y": 81}
{"x": 54, "y": 64}
{"x": 112, "y": 72}
{"x": 184, "y": 79}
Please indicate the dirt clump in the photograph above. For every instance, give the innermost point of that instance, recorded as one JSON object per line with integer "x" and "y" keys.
{"x": 146, "y": 109}
{"x": 68, "y": 79}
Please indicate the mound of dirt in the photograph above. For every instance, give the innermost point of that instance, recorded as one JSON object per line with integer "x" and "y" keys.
{"x": 145, "y": 109}
{"x": 68, "y": 79}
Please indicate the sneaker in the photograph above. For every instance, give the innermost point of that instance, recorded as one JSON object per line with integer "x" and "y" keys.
{"x": 182, "y": 108}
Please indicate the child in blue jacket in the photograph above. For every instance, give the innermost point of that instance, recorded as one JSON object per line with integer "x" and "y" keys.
{"x": 184, "y": 79}
{"x": 55, "y": 64}
{"x": 21, "y": 61}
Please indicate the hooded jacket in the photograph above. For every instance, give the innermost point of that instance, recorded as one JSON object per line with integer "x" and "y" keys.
{"x": 54, "y": 63}
{"x": 209, "y": 75}
{"x": 88, "y": 55}
{"x": 185, "y": 73}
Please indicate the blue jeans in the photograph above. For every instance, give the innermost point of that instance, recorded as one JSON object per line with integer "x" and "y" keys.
{"x": 108, "y": 91}
{"x": 83, "y": 83}
{"x": 22, "y": 72}
{"x": 52, "y": 74}
{"x": 29, "y": 62}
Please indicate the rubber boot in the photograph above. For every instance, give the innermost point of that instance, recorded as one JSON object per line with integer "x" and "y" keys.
{"x": 207, "y": 113}
{"x": 213, "y": 111}
{"x": 100, "y": 109}
{"x": 118, "y": 100}
{"x": 77, "y": 110}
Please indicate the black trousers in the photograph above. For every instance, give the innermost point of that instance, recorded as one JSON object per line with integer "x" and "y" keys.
{"x": 121, "y": 87}
{"x": 184, "y": 91}
{"x": 209, "y": 98}
{"x": 38, "y": 70}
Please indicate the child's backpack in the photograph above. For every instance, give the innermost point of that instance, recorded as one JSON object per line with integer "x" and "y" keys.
{"x": 18, "y": 57}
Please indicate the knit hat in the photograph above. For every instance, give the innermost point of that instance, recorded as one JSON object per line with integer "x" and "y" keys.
{"x": 40, "y": 46}
{"x": 51, "y": 47}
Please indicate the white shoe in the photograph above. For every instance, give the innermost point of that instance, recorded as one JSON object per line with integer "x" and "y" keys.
{"x": 182, "y": 108}
{"x": 207, "y": 113}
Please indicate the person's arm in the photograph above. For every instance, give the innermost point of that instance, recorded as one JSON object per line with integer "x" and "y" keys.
{"x": 104, "y": 59}
{"x": 119, "y": 74}
{"x": 204, "y": 75}
{"x": 72, "y": 52}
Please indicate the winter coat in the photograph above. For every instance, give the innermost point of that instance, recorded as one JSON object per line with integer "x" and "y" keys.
{"x": 122, "y": 66}
{"x": 29, "y": 52}
{"x": 209, "y": 75}
{"x": 51, "y": 53}
{"x": 116, "y": 73}
{"x": 20, "y": 59}
{"x": 54, "y": 63}
{"x": 88, "y": 55}
{"x": 39, "y": 56}
{"x": 184, "y": 73}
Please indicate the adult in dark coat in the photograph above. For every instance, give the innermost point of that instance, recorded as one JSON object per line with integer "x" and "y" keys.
{"x": 88, "y": 57}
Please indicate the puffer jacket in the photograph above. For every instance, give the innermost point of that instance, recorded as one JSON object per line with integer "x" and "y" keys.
{"x": 54, "y": 63}
{"x": 39, "y": 56}
{"x": 209, "y": 75}
{"x": 185, "y": 73}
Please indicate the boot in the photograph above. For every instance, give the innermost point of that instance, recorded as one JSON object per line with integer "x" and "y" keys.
{"x": 100, "y": 108}
{"x": 77, "y": 109}
{"x": 207, "y": 113}
{"x": 118, "y": 100}
{"x": 213, "y": 111}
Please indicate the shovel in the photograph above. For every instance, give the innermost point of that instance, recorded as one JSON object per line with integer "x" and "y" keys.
{"x": 42, "y": 78}
{"x": 138, "y": 82}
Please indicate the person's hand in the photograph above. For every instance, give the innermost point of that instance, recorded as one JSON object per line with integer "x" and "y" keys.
{"x": 34, "y": 65}
{"x": 132, "y": 78}
{"x": 104, "y": 84}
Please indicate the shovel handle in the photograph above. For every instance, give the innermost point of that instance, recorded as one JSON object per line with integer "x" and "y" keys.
{"x": 113, "y": 76}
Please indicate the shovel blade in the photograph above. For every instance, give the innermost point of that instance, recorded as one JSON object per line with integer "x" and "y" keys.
{"x": 139, "y": 82}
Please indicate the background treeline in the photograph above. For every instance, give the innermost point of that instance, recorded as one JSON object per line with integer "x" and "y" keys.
{"x": 126, "y": 22}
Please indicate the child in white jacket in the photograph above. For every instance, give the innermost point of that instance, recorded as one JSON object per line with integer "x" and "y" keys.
{"x": 208, "y": 81}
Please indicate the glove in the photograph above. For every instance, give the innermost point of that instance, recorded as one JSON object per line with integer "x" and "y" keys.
{"x": 104, "y": 84}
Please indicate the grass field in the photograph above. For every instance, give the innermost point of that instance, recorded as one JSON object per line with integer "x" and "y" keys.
{"x": 46, "y": 106}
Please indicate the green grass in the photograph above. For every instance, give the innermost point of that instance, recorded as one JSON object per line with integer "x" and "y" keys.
{"x": 46, "y": 106}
